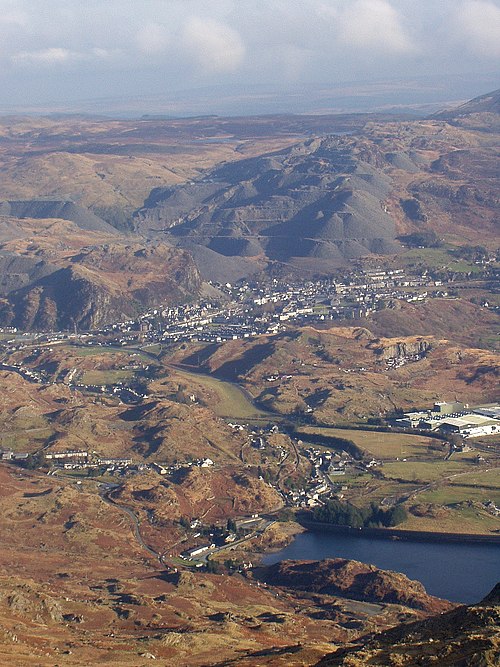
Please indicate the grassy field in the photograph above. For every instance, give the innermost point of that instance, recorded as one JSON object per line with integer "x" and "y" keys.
{"x": 25, "y": 441}
{"x": 437, "y": 258}
{"x": 387, "y": 446}
{"x": 450, "y": 494}
{"x": 228, "y": 399}
{"x": 465, "y": 518}
{"x": 480, "y": 486}
{"x": 24, "y": 431}
{"x": 482, "y": 478}
{"x": 106, "y": 377}
{"x": 96, "y": 350}
{"x": 90, "y": 351}
{"x": 423, "y": 472}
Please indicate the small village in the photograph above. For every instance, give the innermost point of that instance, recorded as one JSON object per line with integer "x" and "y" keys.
{"x": 331, "y": 469}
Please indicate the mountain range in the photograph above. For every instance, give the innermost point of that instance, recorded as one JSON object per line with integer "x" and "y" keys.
{"x": 270, "y": 196}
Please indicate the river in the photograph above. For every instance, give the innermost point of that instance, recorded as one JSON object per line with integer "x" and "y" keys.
{"x": 457, "y": 572}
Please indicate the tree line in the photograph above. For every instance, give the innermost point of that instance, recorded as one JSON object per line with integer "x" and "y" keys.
{"x": 346, "y": 514}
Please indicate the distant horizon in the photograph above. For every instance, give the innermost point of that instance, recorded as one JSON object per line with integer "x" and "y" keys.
{"x": 375, "y": 96}
{"x": 64, "y": 54}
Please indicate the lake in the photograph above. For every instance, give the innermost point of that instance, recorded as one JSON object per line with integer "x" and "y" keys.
{"x": 457, "y": 572}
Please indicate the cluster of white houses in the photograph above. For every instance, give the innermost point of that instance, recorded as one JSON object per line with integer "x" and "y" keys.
{"x": 83, "y": 459}
{"x": 455, "y": 418}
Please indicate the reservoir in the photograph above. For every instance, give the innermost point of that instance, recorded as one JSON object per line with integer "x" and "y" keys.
{"x": 457, "y": 572}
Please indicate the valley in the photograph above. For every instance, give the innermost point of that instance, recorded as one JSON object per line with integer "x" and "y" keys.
{"x": 218, "y": 333}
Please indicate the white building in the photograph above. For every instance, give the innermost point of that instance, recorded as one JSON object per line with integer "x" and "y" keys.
{"x": 470, "y": 426}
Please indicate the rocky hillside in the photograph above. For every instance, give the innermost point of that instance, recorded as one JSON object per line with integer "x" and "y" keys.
{"x": 488, "y": 103}
{"x": 342, "y": 372}
{"x": 328, "y": 200}
{"x": 357, "y": 581}
{"x": 267, "y": 200}
{"x": 85, "y": 279}
{"x": 110, "y": 166}
{"x": 43, "y": 209}
{"x": 77, "y": 588}
{"x": 321, "y": 199}
{"x": 463, "y": 637}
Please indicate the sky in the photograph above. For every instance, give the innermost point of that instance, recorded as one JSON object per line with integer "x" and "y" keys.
{"x": 60, "y": 52}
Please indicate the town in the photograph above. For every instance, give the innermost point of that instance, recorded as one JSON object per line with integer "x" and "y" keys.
{"x": 247, "y": 309}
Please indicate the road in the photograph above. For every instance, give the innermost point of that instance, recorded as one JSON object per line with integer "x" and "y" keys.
{"x": 444, "y": 480}
{"x": 204, "y": 558}
{"x": 104, "y": 494}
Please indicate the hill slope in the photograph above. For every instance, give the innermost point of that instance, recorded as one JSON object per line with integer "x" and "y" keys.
{"x": 326, "y": 201}
{"x": 488, "y": 103}
{"x": 55, "y": 208}
{"x": 321, "y": 199}
{"x": 462, "y": 637}
{"x": 85, "y": 278}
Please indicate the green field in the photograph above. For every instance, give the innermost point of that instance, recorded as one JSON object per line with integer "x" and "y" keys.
{"x": 439, "y": 257}
{"x": 96, "y": 350}
{"x": 387, "y": 446}
{"x": 490, "y": 477}
{"x": 25, "y": 431}
{"x": 423, "y": 472}
{"x": 480, "y": 485}
{"x": 230, "y": 400}
{"x": 106, "y": 377}
{"x": 462, "y": 518}
{"x": 91, "y": 350}
{"x": 25, "y": 440}
{"x": 448, "y": 494}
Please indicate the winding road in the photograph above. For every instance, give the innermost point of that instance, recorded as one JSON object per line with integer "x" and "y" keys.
{"x": 104, "y": 493}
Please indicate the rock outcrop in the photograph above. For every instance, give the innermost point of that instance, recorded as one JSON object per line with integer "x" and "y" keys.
{"x": 98, "y": 285}
{"x": 394, "y": 349}
{"x": 462, "y": 637}
{"x": 354, "y": 580}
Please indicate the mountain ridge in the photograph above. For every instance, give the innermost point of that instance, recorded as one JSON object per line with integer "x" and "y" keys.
{"x": 487, "y": 103}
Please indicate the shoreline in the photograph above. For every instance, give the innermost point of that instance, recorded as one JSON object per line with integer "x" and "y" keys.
{"x": 403, "y": 535}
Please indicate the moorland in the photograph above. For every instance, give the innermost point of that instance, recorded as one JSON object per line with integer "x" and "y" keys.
{"x": 208, "y": 329}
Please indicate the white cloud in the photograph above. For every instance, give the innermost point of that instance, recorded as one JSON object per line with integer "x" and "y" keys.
{"x": 478, "y": 23}
{"x": 294, "y": 62}
{"x": 59, "y": 56}
{"x": 374, "y": 24}
{"x": 214, "y": 46}
{"x": 130, "y": 47}
{"x": 104, "y": 54}
{"x": 50, "y": 56}
{"x": 13, "y": 18}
